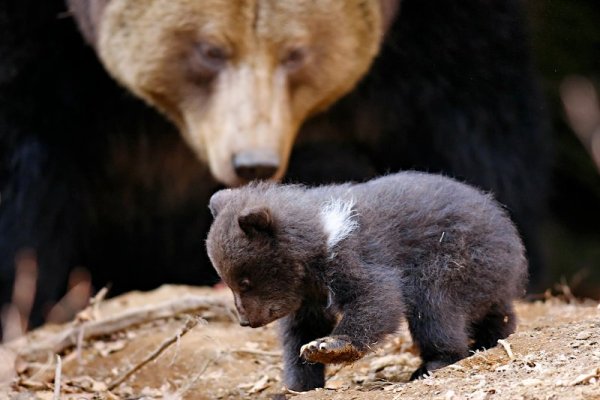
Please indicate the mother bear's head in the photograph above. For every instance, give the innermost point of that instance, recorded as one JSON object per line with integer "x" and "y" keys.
{"x": 237, "y": 77}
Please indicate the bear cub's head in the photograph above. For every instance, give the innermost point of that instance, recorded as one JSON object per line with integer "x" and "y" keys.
{"x": 262, "y": 243}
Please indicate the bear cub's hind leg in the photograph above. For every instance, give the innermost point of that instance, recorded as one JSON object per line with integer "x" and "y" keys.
{"x": 498, "y": 323}
{"x": 440, "y": 334}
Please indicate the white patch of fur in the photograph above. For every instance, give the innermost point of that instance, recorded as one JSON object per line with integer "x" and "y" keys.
{"x": 339, "y": 220}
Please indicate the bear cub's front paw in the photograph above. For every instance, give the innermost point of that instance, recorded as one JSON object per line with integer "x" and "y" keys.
{"x": 331, "y": 350}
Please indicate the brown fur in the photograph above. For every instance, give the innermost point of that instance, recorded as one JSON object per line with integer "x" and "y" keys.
{"x": 254, "y": 101}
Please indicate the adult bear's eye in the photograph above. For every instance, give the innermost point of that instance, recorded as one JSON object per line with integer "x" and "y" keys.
{"x": 211, "y": 57}
{"x": 295, "y": 58}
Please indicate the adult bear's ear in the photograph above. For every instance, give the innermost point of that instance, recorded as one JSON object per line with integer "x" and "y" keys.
{"x": 88, "y": 14}
{"x": 219, "y": 200}
{"x": 256, "y": 221}
{"x": 389, "y": 11}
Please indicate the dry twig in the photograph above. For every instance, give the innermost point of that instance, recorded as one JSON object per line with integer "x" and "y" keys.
{"x": 57, "y": 376}
{"x": 191, "y": 323}
{"x": 92, "y": 311}
{"x": 41, "y": 371}
{"x": 185, "y": 388}
{"x": 507, "y": 348}
{"x": 290, "y": 391}
{"x": 258, "y": 352}
{"x": 33, "y": 385}
{"x": 260, "y": 385}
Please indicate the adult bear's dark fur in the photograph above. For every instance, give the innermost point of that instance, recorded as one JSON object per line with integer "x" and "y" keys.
{"x": 90, "y": 176}
{"x": 438, "y": 252}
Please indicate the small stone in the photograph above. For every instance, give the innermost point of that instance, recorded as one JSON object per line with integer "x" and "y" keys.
{"x": 583, "y": 335}
{"x": 531, "y": 382}
{"x": 337, "y": 384}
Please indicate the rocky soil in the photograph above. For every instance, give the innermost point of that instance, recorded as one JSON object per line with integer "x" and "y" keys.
{"x": 184, "y": 343}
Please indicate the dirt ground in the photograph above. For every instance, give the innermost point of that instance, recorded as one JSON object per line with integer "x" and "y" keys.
{"x": 138, "y": 340}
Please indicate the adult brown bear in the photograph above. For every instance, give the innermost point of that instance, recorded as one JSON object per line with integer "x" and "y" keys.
{"x": 314, "y": 91}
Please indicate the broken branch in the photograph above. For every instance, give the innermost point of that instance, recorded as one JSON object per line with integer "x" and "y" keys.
{"x": 69, "y": 336}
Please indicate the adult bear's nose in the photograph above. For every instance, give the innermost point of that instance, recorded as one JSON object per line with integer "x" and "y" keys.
{"x": 255, "y": 164}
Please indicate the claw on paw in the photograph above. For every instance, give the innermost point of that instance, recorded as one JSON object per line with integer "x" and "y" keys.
{"x": 331, "y": 350}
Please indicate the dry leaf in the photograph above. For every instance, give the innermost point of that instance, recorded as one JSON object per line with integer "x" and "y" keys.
{"x": 88, "y": 384}
{"x": 391, "y": 360}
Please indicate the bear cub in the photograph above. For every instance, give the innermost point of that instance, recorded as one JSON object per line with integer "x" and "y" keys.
{"x": 341, "y": 265}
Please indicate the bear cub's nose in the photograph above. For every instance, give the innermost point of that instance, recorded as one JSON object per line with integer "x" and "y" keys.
{"x": 255, "y": 164}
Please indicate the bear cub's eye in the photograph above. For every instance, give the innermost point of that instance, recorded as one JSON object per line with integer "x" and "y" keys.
{"x": 212, "y": 57}
{"x": 244, "y": 285}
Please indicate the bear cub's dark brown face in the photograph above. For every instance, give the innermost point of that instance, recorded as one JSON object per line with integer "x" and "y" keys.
{"x": 256, "y": 259}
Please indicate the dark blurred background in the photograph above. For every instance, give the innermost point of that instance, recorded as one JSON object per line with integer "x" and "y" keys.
{"x": 566, "y": 41}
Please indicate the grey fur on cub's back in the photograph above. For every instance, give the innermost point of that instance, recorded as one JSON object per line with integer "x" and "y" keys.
{"x": 438, "y": 252}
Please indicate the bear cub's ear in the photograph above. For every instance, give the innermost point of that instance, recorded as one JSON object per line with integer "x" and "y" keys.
{"x": 219, "y": 200}
{"x": 256, "y": 221}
